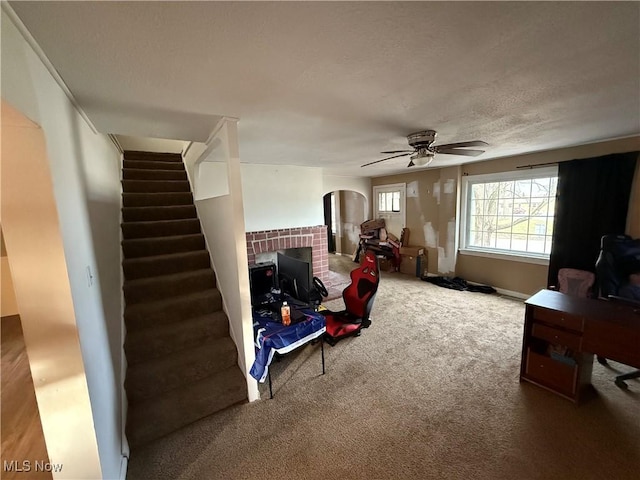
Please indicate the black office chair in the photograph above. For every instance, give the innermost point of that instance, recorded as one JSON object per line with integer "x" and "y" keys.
{"x": 616, "y": 253}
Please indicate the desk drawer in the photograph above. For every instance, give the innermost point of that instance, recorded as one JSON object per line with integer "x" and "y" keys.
{"x": 557, "y": 337}
{"x": 551, "y": 373}
{"x": 560, "y": 319}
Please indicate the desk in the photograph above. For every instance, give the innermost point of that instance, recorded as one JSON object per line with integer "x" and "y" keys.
{"x": 273, "y": 337}
{"x": 562, "y": 333}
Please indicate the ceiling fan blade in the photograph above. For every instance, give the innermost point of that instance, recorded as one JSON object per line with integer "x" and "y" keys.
{"x": 399, "y": 151}
{"x": 461, "y": 151}
{"x": 388, "y": 158}
{"x": 472, "y": 143}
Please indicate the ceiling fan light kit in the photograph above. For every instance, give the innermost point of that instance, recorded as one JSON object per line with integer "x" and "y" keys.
{"x": 422, "y": 157}
{"x": 423, "y": 150}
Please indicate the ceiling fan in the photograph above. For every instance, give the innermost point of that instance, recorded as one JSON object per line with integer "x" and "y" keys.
{"x": 423, "y": 150}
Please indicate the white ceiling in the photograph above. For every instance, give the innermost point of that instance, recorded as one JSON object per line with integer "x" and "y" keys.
{"x": 331, "y": 84}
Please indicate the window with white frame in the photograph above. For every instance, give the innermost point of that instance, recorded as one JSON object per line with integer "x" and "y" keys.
{"x": 510, "y": 213}
{"x": 389, "y": 201}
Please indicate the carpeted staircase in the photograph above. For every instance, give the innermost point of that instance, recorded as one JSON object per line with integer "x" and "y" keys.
{"x": 182, "y": 364}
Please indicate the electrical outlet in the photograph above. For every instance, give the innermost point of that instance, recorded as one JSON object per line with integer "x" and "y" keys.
{"x": 89, "y": 276}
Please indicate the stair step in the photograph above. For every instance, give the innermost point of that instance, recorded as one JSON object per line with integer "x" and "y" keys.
{"x": 165, "y": 286}
{"x": 175, "y": 309}
{"x": 169, "y": 212}
{"x": 155, "y": 174}
{"x": 139, "y": 199}
{"x": 162, "y": 340}
{"x": 165, "y": 264}
{"x": 160, "y": 228}
{"x": 152, "y": 156}
{"x": 158, "y": 416}
{"x": 155, "y": 186}
{"x": 160, "y": 375}
{"x": 152, "y": 164}
{"x": 147, "y": 247}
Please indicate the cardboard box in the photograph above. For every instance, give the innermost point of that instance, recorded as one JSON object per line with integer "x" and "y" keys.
{"x": 372, "y": 224}
{"x": 413, "y": 265}
{"x": 412, "y": 251}
{"x": 386, "y": 265}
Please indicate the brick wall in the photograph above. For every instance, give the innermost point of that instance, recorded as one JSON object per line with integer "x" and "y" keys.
{"x": 271, "y": 240}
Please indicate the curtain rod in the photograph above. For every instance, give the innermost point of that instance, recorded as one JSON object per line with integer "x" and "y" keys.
{"x": 537, "y": 165}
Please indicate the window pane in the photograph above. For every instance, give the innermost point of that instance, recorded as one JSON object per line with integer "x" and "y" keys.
{"x": 382, "y": 204}
{"x": 536, "y": 244}
{"x": 503, "y": 241}
{"x": 477, "y": 190}
{"x": 396, "y": 201}
{"x": 504, "y": 224}
{"x": 511, "y": 214}
{"x": 522, "y": 188}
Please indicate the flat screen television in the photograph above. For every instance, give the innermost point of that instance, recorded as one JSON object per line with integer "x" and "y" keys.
{"x": 295, "y": 277}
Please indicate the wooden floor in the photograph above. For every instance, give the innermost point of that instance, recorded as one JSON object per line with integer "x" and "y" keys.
{"x": 22, "y": 438}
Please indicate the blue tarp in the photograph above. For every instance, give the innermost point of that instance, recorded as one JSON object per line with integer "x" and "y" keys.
{"x": 273, "y": 337}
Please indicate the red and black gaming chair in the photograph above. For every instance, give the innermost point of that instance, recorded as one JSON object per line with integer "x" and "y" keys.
{"x": 358, "y": 299}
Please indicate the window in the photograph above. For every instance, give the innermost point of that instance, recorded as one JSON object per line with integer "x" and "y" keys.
{"x": 510, "y": 213}
{"x": 389, "y": 201}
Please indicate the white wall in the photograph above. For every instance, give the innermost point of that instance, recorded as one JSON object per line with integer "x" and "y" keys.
{"x": 333, "y": 183}
{"x": 85, "y": 170}
{"x": 222, "y": 220}
{"x": 281, "y": 196}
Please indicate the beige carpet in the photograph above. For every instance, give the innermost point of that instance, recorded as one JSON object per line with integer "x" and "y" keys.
{"x": 340, "y": 267}
{"x": 429, "y": 391}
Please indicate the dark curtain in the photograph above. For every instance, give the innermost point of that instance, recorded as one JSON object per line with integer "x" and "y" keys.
{"x": 592, "y": 201}
{"x": 327, "y": 222}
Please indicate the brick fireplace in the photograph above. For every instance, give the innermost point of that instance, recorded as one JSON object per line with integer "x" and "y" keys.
{"x": 272, "y": 240}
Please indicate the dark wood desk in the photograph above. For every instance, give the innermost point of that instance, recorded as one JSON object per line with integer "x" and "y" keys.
{"x": 562, "y": 333}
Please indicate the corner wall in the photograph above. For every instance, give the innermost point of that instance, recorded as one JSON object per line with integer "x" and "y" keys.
{"x": 223, "y": 225}
{"x": 84, "y": 173}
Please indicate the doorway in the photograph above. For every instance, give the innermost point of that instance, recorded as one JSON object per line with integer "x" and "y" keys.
{"x": 345, "y": 211}
{"x": 389, "y": 202}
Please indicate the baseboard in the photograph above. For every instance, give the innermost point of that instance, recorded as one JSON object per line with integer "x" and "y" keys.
{"x": 124, "y": 464}
{"x": 511, "y": 293}
{"x": 501, "y": 291}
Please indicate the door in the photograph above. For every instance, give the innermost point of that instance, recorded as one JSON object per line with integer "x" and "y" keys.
{"x": 390, "y": 204}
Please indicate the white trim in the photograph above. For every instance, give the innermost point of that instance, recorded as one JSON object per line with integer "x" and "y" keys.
{"x": 115, "y": 141}
{"x": 403, "y": 200}
{"x": 46, "y": 62}
{"x": 541, "y": 172}
{"x": 511, "y": 293}
{"x": 525, "y": 257}
{"x": 124, "y": 402}
{"x": 124, "y": 465}
{"x": 510, "y": 256}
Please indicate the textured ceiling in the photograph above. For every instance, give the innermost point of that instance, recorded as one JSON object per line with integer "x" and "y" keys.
{"x": 331, "y": 84}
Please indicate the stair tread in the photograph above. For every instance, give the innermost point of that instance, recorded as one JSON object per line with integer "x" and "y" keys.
{"x": 152, "y": 181}
{"x": 183, "y": 366}
{"x": 160, "y": 239}
{"x": 152, "y": 156}
{"x": 159, "y": 207}
{"x": 149, "y": 170}
{"x": 168, "y": 277}
{"x": 164, "y": 256}
{"x": 170, "y": 328}
{"x": 158, "y": 304}
{"x": 162, "y": 222}
{"x": 153, "y": 342}
{"x": 160, "y": 415}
